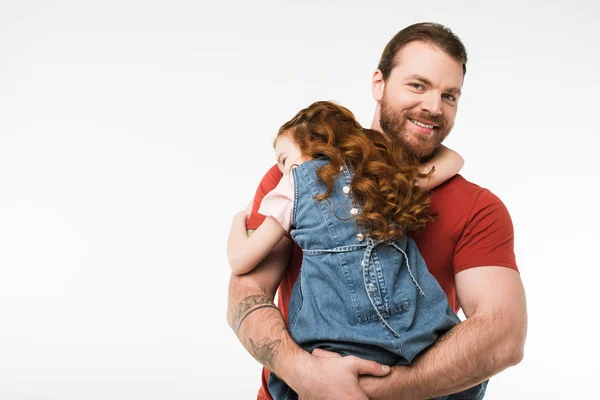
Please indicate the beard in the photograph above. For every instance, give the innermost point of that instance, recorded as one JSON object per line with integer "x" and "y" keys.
{"x": 393, "y": 123}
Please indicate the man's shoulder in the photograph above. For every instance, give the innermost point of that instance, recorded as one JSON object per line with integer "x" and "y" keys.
{"x": 461, "y": 193}
{"x": 270, "y": 180}
{"x": 459, "y": 185}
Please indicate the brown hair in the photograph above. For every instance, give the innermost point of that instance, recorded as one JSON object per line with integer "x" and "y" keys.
{"x": 384, "y": 177}
{"x": 429, "y": 32}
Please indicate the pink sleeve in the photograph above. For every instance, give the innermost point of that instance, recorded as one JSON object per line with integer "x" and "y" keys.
{"x": 279, "y": 202}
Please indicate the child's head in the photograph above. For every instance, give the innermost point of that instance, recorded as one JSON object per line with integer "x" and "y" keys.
{"x": 383, "y": 177}
{"x": 322, "y": 129}
{"x": 287, "y": 153}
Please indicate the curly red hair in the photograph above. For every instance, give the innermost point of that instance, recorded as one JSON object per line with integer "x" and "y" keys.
{"x": 384, "y": 176}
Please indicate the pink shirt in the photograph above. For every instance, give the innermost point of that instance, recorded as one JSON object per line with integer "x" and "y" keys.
{"x": 279, "y": 202}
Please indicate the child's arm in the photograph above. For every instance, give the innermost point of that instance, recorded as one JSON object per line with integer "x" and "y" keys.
{"x": 447, "y": 163}
{"x": 245, "y": 252}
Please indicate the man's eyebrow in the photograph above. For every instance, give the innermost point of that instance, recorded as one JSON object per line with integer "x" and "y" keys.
{"x": 418, "y": 78}
{"x": 426, "y": 81}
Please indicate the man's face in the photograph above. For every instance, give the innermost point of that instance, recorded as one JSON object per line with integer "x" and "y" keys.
{"x": 418, "y": 102}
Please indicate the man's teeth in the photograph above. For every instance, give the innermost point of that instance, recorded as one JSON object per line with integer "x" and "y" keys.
{"x": 421, "y": 124}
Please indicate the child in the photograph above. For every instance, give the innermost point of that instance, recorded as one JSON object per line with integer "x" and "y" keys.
{"x": 349, "y": 196}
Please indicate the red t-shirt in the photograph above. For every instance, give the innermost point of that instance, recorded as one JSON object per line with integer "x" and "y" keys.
{"x": 472, "y": 229}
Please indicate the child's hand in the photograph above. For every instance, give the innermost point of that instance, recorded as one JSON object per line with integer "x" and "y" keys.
{"x": 245, "y": 213}
{"x": 445, "y": 163}
{"x": 242, "y": 215}
{"x": 249, "y": 207}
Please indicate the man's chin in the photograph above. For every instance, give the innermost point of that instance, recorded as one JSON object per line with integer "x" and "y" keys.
{"x": 423, "y": 154}
{"x": 418, "y": 148}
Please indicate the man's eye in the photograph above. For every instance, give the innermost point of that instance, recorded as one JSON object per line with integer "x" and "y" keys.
{"x": 449, "y": 97}
{"x": 417, "y": 86}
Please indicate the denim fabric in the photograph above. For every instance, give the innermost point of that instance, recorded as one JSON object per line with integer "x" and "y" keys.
{"x": 355, "y": 296}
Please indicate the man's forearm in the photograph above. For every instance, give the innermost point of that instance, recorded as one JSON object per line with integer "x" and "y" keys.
{"x": 470, "y": 353}
{"x": 256, "y": 320}
{"x": 260, "y": 327}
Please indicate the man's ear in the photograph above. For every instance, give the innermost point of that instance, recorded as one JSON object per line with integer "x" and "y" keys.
{"x": 377, "y": 85}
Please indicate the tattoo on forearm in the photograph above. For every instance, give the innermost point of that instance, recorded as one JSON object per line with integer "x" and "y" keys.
{"x": 265, "y": 351}
{"x": 444, "y": 338}
{"x": 247, "y": 306}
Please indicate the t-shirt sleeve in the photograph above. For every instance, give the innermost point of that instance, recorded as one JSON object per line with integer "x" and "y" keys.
{"x": 268, "y": 183}
{"x": 279, "y": 202}
{"x": 488, "y": 237}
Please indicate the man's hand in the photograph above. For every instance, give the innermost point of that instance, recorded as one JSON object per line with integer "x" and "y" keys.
{"x": 372, "y": 386}
{"x": 331, "y": 376}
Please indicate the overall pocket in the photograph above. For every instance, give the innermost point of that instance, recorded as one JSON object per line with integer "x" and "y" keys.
{"x": 369, "y": 291}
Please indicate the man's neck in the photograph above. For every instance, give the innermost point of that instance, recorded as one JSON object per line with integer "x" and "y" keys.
{"x": 375, "y": 124}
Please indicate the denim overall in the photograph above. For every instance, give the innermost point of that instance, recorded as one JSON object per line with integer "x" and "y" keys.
{"x": 356, "y": 296}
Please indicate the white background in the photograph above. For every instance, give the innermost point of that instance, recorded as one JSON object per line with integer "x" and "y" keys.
{"x": 131, "y": 131}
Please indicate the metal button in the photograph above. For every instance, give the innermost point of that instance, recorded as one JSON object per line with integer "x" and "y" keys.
{"x": 346, "y": 189}
{"x": 354, "y": 211}
{"x": 370, "y": 287}
{"x": 360, "y": 237}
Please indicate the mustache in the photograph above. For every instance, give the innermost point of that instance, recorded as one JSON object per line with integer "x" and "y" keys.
{"x": 436, "y": 120}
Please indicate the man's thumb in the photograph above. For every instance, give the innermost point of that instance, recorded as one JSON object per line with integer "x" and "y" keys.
{"x": 365, "y": 367}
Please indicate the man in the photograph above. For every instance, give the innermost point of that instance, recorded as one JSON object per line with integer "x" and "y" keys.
{"x": 469, "y": 249}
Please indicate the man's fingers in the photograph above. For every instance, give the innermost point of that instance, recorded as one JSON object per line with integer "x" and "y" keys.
{"x": 361, "y": 367}
{"x": 366, "y": 367}
{"x": 325, "y": 354}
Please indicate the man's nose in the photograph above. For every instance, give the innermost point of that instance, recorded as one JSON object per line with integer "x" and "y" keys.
{"x": 432, "y": 103}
